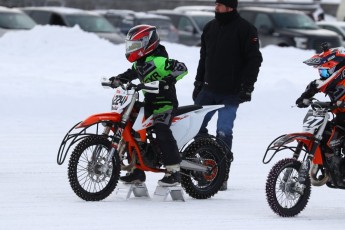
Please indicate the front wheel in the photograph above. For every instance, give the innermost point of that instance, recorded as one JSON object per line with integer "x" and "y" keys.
{"x": 91, "y": 176}
{"x": 284, "y": 194}
{"x": 203, "y": 185}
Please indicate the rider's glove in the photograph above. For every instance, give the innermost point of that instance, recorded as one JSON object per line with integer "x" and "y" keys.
{"x": 302, "y": 102}
{"x": 126, "y": 76}
{"x": 245, "y": 94}
{"x": 115, "y": 81}
{"x": 197, "y": 88}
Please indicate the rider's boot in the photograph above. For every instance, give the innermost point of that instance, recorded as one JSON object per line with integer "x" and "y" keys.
{"x": 172, "y": 176}
{"x": 136, "y": 176}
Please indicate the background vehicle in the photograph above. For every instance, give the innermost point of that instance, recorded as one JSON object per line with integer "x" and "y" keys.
{"x": 87, "y": 21}
{"x": 14, "y": 20}
{"x": 195, "y": 8}
{"x": 336, "y": 26}
{"x": 288, "y": 28}
{"x": 341, "y": 11}
{"x": 126, "y": 19}
{"x": 189, "y": 24}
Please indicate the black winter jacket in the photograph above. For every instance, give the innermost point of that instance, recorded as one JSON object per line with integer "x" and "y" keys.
{"x": 229, "y": 56}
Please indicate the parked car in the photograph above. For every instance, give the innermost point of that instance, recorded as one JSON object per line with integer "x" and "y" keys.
{"x": 341, "y": 11}
{"x": 195, "y": 8}
{"x": 14, "y": 20}
{"x": 126, "y": 19}
{"x": 283, "y": 27}
{"x": 336, "y": 26}
{"x": 87, "y": 21}
{"x": 188, "y": 23}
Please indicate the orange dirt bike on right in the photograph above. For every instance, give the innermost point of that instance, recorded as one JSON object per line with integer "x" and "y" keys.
{"x": 318, "y": 153}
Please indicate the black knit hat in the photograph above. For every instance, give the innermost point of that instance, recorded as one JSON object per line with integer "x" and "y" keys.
{"x": 229, "y": 3}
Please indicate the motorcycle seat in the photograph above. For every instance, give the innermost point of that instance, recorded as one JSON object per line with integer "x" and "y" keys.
{"x": 185, "y": 109}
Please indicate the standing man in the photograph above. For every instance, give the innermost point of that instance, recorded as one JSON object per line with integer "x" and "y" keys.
{"x": 228, "y": 67}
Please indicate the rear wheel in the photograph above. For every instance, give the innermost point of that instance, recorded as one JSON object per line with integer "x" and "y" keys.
{"x": 203, "y": 185}
{"x": 91, "y": 177}
{"x": 283, "y": 192}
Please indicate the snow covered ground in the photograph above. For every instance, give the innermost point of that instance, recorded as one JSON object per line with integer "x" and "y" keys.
{"x": 50, "y": 79}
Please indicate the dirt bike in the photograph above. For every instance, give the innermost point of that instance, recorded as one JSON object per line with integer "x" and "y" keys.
{"x": 106, "y": 143}
{"x": 317, "y": 159}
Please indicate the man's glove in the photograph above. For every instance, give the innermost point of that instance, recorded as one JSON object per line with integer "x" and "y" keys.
{"x": 197, "y": 88}
{"x": 245, "y": 94}
{"x": 303, "y": 102}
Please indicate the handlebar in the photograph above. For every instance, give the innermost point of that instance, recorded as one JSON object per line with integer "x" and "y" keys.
{"x": 325, "y": 105}
{"x": 130, "y": 86}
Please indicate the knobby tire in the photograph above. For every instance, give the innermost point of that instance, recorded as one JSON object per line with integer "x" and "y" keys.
{"x": 279, "y": 200}
{"x": 206, "y": 150}
{"x": 89, "y": 190}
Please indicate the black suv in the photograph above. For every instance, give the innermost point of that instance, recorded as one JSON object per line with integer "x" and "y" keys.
{"x": 288, "y": 28}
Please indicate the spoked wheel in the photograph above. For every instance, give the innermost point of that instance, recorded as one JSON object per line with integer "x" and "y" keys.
{"x": 284, "y": 194}
{"x": 203, "y": 185}
{"x": 91, "y": 177}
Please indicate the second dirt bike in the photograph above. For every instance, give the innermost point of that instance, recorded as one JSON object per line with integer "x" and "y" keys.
{"x": 317, "y": 159}
{"x": 106, "y": 143}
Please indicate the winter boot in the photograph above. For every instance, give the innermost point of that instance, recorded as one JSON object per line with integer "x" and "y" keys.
{"x": 224, "y": 186}
{"x": 136, "y": 176}
{"x": 172, "y": 176}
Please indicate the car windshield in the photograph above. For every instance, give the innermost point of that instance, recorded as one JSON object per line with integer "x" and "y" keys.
{"x": 16, "y": 21}
{"x": 294, "y": 21}
{"x": 90, "y": 23}
{"x": 343, "y": 28}
{"x": 201, "y": 21}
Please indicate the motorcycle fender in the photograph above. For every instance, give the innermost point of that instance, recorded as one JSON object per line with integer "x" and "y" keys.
{"x": 186, "y": 126}
{"x": 100, "y": 117}
{"x": 306, "y": 139}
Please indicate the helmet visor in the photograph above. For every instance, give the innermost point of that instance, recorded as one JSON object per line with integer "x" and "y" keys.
{"x": 132, "y": 46}
{"x": 324, "y": 72}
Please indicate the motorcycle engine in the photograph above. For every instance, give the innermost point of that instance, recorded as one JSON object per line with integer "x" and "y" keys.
{"x": 151, "y": 154}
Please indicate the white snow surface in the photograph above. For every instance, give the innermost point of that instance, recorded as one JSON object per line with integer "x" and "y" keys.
{"x": 50, "y": 80}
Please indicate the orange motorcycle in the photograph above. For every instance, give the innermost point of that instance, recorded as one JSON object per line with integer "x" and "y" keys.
{"x": 106, "y": 143}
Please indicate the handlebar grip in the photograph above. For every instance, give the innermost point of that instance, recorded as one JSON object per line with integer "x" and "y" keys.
{"x": 107, "y": 84}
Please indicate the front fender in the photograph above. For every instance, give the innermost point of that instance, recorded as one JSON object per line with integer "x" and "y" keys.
{"x": 100, "y": 117}
{"x": 282, "y": 142}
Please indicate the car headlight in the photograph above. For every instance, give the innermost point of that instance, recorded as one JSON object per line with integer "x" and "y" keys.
{"x": 301, "y": 42}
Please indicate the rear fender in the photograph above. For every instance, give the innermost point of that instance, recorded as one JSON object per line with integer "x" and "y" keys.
{"x": 282, "y": 143}
{"x": 100, "y": 117}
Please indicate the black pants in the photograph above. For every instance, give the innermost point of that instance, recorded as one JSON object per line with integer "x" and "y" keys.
{"x": 165, "y": 138}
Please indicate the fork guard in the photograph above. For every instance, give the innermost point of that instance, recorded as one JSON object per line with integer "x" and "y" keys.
{"x": 282, "y": 143}
{"x": 89, "y": 127}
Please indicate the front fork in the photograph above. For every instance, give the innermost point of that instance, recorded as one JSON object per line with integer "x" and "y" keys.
{"x": 303, "y": 173}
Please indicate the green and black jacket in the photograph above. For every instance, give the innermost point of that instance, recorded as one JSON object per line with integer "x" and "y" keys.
{"x": 155, "y": 67}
